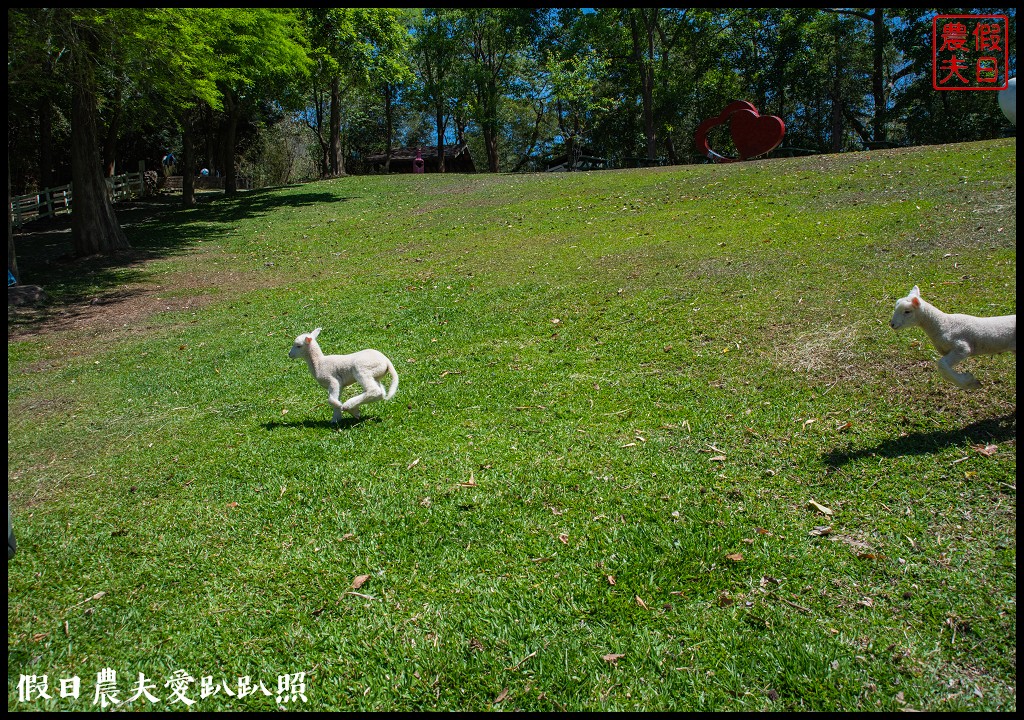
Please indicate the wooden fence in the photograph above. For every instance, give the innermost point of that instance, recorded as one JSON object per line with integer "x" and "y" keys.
{"x": 56, "y": 201}
{"x": 47, "y": 203}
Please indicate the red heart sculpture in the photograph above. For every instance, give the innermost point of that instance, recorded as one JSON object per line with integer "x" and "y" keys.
{"x": 752, "y": 134}
{"x": 755, "y": 134}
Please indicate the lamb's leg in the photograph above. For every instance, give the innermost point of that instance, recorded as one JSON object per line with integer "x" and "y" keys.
{"x": 954, "y": 356}
{"x": 372, "y": 392}
{"x": 333, "y": 393}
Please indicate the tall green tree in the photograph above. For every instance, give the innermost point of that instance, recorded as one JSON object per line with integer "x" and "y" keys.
{"x": 495, "y": 40}
{"x": 836, "y": 82}
{"x": 793, "y": 63}
{"x": 689, "y": 51}
{"x": 575, "y": 88}
{"x": 262, "y": 56}
{"x": 437, "y": 52}
{"x": 88, "y": 35}
{"x": 353, "y": 48}
{"x": 881, "y": 70}
{"x": 390, "y": 66}
{"x": 38, "y": 96}
{"x": 100, "y": 56}
{"x": 643, "y": 25}
{"x": 925, "y": 115}
{"x": 179, "y": 70}
{"x": 666, "y": 66}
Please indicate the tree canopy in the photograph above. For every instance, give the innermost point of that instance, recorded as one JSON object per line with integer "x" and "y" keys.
{"x": 111, "y": 87}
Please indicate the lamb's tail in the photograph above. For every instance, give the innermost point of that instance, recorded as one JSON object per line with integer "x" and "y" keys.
{"x": 394, "y": 381}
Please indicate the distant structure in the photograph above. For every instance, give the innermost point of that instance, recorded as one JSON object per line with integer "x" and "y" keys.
{"x": 582, "y": 159}
{"x": 1008, "y": 101}
{"x": 403, "y": 160}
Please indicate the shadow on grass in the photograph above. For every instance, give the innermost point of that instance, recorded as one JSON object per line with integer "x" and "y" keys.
{"x": 921, "y": 443}
{"x": 182, "y": 228}
{"x": 261, "y": 202}
{"x": 156, "y": 227}
{"x": 345, "y": 423}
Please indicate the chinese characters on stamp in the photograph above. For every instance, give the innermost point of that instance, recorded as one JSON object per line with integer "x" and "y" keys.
{"x": 970, "y": 52}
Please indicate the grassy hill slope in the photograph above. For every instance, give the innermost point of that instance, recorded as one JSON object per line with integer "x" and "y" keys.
{"x": 620, "y": 392}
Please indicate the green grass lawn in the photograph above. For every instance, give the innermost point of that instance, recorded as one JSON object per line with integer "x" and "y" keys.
{"x": 620, "y": 392}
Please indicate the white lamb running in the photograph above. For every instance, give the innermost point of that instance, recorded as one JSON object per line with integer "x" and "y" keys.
{"x": 956, "y": 336}
{"x": 336, "y": 372}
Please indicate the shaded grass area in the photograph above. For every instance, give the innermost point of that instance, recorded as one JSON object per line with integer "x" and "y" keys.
{"x": 619, "y": 392}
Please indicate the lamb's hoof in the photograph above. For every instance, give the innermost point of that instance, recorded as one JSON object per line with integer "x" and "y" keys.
{"x": 971, "y": 384}
{"x": 354, "y": 412}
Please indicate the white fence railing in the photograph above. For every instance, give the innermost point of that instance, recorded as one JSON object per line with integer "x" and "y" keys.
{"x": 47, "y": 203}
{"x": 57, "y": 200}
{"x": 126, "y": 186}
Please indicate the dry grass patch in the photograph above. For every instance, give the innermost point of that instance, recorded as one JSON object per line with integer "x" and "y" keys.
{"x": 827, "y": 352}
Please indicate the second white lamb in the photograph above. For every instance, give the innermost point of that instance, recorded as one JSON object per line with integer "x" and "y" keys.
{"x": 956, "y": 336}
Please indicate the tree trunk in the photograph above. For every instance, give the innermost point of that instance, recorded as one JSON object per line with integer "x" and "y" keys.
{"x": 491, "y": 145}
{"x": 836, "y": 118}
{"x": 434, "y": 88}
{"x": 878, "y": 129}
{"x": 45, "y": 144}
{"x": 233, "y": 111}
{"x": 110, "y": 140}
{"x": 539, "y": 116}
{"x": 879, "y": 35}
{"x": 487, "y": 97}
{"x": 336, "y": 155}
{"x": 489, "y": 123}
{"x": 212, "y": 138}
{"x": 670, "y": 150}
{"x": 318, "y": 128}
{"x": 858, "y": 127}
{"x": 440, "y": 137}
{"x": 460, "y": 130}
{"x": 188, "y": 162}
{"x": 94, "y": 226}
{"x": 230, "y": 137}
{"x": 12, "y": 260}
{"x": 643, "y": 53}
{"x": 388, "y": 129}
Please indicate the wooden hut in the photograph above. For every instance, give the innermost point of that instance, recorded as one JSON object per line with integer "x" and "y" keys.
{"x": 456, "y": 159}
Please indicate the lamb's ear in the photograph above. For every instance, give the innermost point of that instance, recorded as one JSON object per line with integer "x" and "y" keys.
{"x": 315, "y": 333}
{"x": 915, "y": 292}
{"x": 915, "y": 301}
{"x": 308, "y": 339}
